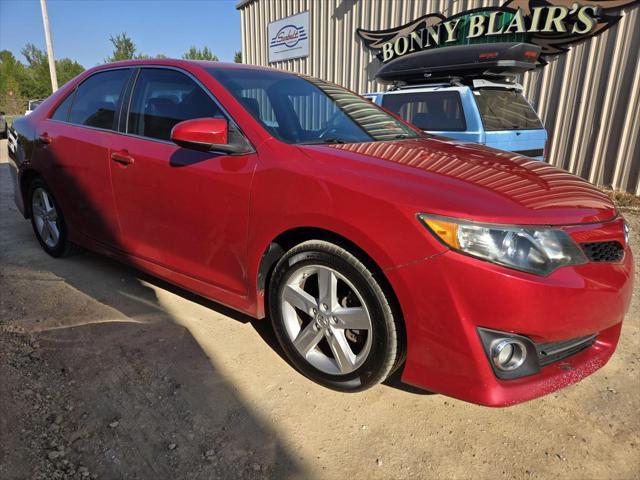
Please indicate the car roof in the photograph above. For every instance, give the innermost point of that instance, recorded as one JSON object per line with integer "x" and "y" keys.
{"x": 181, "y": 63}
{"x": 444, "y": 86}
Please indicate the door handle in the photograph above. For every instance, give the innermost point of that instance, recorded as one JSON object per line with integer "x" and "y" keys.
{"x": 45, "y": 139}
{"x": 122, "y": 157}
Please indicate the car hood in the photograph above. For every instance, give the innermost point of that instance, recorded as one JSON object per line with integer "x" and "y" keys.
{"x": 472, "y": 181}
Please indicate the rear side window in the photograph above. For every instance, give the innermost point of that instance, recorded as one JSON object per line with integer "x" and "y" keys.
{"x": 62, "y": 112}
{"x": 96, "y": 99}
{"x": 163, "y": 98}
{"x": 502, "y": 109}
{"x": 431, "y": 111}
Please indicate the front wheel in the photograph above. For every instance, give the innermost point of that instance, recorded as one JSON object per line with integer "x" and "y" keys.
{"x": 47, "y": 220}
{"x": 333, "y": 318}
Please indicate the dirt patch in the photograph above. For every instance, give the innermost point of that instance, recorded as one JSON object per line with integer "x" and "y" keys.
{"x": 108, "y": 373}
{"x": 624, "y": 200}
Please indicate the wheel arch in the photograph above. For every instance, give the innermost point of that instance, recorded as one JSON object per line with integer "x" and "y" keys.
{"x": 26, "y": 178}
{"x": 290, "y": 238}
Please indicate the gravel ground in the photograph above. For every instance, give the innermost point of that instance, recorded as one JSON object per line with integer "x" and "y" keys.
{"x": 108, "y": 373}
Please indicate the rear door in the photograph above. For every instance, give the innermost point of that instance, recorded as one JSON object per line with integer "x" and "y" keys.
{"x": 74, "y": 151}
{"x": 510, "y": 122}
{"x": 178, "y": 208}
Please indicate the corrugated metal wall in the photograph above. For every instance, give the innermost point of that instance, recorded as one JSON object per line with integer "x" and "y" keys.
{"x": 589, "y": 98}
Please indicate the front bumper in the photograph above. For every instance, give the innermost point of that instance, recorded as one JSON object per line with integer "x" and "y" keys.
{"x": 446, "y": 298}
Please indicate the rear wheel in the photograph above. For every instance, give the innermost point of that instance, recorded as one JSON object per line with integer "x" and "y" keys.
{"x": 332, "y": 318}
{"x": 47, "y": 220}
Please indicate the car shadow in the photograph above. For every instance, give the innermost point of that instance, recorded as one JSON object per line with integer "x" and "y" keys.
{"x": 138, "y": 394}
{"x": 133, "y": 363}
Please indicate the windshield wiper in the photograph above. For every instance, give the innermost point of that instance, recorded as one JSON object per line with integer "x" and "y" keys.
{"x": 324, "y": 140}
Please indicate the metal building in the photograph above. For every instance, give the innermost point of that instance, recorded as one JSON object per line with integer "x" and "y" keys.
{"x": 589, "y": 98}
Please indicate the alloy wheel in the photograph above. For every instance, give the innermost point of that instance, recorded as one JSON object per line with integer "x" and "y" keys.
{"x": 326, "y": 319}
{"x": 45, "y": 217}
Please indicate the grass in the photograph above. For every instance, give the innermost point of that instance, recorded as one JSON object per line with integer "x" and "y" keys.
{"x": 623, "y": 199}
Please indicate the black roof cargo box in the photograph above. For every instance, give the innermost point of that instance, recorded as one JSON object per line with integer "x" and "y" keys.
{"x": 483, "y": 59}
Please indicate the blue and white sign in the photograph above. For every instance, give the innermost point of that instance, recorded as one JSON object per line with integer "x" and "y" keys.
{"x": 289, "y": 38}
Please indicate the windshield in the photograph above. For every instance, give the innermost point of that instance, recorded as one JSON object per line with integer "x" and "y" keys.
{"x": 306, "y": 110}
{"x": 503, "y": 109}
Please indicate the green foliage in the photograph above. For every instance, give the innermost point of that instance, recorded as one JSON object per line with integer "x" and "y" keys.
{"x": 196, "y": 54}
{"x": 123, "y": 48}
{"x": 237, "y": 58}
{"x": 20, "y": 83}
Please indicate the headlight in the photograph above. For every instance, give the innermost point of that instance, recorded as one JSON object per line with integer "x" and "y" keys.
{"x": 539, "y": 250}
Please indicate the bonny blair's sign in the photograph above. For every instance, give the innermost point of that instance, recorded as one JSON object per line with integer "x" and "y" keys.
{"x": 552, "y": 24}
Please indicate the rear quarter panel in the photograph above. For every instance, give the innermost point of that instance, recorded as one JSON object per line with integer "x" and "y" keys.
{"x": 21, "y": 144}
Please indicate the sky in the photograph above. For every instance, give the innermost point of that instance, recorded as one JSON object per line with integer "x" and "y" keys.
{"x": 80, "y": 29}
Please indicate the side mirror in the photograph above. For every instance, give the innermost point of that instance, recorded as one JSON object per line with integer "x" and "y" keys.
{"x": 204, "y": 134}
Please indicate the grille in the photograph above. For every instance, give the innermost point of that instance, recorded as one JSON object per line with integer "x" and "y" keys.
{"x": 603, "y": 251}
{"x": 555, "y": 351}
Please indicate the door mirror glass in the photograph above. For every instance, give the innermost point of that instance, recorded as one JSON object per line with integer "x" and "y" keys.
{"x": 204, "y": 134}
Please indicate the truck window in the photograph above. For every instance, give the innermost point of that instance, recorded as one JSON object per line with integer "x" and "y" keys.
{"x": 431, "y": 111}
{"x": 502, "y": 109}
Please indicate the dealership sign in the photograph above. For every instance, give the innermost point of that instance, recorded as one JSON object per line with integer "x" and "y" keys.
{"x": 289, "y": 38}
{"x": 551, "y": 24}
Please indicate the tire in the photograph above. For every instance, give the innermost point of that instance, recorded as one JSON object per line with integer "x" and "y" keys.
{"x": 45, "y": 210}
{"x": 312, "y": 326}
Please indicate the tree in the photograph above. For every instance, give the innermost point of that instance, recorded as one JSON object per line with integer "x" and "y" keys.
{"x": 12, "y": 83}
{"x": 123, "y": 48}
{"x": 37, "y": 80}
{"x": 67, "y": 69}
{"x": 19, "y": 82}
{"x": 196, "y": 54}
{"x": 238, "y": 57}
{"x": 12, "y": 73}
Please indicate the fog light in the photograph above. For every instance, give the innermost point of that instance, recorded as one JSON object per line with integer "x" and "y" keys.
{"x": 626, "y": 232}
{"x": 508, "y": 353}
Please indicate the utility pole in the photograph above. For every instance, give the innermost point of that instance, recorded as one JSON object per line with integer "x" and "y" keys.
{"x": 47, "y": 37}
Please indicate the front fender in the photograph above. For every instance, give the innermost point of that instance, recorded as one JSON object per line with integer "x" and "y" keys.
{"x": 291, "y": 191}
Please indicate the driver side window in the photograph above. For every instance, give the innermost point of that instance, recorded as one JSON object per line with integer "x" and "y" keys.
{"x": 162, "y": 98}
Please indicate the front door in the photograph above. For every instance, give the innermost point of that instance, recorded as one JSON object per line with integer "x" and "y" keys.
{"x": 181, "y": 209}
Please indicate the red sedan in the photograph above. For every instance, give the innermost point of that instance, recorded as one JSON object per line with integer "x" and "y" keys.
{"x": 371, "y": 246}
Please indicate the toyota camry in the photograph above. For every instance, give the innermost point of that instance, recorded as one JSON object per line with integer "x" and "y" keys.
{"x": 371, "y": 246}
